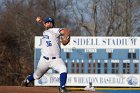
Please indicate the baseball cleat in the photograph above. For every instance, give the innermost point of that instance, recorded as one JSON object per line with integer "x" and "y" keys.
{"x": 24, "y": 82}
{"x": 63, "y": 90}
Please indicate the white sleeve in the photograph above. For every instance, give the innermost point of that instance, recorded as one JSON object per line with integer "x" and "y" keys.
{"x": 57, "y": 31}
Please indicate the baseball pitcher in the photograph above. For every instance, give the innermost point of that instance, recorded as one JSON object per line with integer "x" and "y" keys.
{"x": 50, "y": 52}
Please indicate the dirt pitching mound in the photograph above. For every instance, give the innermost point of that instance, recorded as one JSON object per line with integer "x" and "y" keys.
{"x": 19, "y": 89}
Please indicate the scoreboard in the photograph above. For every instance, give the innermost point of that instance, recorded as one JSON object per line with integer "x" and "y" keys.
{"x": 104, "y": 61}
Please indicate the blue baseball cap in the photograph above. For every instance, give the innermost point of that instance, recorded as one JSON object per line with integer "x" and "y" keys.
{"x": 49, "y": 19}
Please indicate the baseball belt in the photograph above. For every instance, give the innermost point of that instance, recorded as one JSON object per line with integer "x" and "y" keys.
{"x": 48, "y": 58}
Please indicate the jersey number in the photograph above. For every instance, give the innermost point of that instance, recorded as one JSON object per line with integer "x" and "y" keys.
{"x": 48, "y": 43}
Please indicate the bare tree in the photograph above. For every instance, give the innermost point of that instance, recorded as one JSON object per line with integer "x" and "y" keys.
{"x": 107, "y": 17}
{"x": 18, "y": 28}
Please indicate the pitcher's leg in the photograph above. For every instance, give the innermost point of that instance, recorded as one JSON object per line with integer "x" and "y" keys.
{"x": 30, "y": 78}
{"x": 60, "y": 67}
{"x": 40, "y": 71}
{"x": 63, "y": 79}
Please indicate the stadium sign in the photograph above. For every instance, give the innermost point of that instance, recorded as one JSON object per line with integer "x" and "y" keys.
{"x": 96, "y": 80}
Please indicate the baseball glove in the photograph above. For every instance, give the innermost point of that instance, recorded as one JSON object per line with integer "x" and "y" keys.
{"x": 65, "y": 41}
